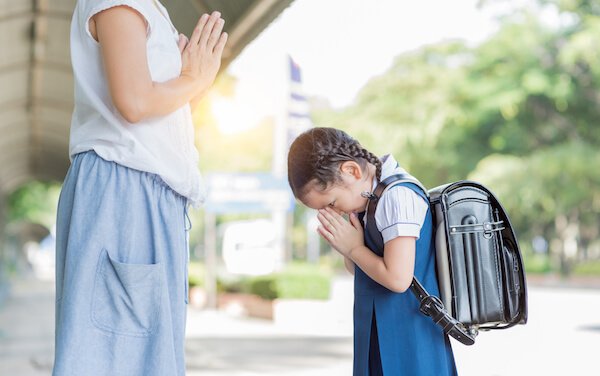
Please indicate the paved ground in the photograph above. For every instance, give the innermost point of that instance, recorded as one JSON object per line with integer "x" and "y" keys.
{"x": 561, "y": 338}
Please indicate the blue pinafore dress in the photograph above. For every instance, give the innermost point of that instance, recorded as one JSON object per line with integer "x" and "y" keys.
{"x": 391, "y": 336}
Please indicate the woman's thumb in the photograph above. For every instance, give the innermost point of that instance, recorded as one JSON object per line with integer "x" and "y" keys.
{"x": 183, "y": 41}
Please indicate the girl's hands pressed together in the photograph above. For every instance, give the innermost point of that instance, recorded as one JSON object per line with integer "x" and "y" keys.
{"x": 344, "y": 236}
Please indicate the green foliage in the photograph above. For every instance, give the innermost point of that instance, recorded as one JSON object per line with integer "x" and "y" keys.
{"x": 519, "y": 112}
{"x": 296, "y": 281}
{"x": 536, "y": 264}
{"x": 196, "y": 274}
{"x": 304, "y": 281}
{"x": 589, "y": 268}
{"x": 34, "y": 202}
{"x": 264, "y": 286}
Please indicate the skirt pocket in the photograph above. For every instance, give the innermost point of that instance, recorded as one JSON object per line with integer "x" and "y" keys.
{"x": 126, "y": 297}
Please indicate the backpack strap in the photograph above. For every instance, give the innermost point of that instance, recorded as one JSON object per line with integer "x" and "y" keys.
{"x": 429, "y": 305}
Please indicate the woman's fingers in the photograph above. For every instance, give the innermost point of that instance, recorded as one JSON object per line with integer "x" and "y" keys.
{"x": 183, "y": 41}
{"x": 215, "y": 34}
{"x": 208, "y": 28}
{"x": 195, "y": 37}
{"x": 220, "y": 45}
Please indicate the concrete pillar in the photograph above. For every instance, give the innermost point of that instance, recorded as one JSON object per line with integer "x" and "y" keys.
{"x": 3, "y": 255}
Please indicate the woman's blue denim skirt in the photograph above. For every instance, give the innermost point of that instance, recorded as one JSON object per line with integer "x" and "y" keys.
{"x": 121, "y": 272}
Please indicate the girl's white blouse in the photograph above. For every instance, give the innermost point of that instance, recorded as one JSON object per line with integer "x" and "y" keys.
{"x": 401, "y": 211}
{"x": 161, "y": 145}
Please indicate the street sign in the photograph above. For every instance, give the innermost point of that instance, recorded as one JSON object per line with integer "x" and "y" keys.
{"x": 247, "y": 193}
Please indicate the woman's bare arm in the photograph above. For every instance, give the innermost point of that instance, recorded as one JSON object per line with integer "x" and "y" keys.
{"x": 121, "y": 32}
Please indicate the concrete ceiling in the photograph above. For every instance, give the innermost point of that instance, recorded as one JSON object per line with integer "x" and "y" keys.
{"x": 36, "y": 83}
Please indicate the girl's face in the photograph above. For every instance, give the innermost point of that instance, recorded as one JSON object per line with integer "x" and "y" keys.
{"x": 344, "y": 196}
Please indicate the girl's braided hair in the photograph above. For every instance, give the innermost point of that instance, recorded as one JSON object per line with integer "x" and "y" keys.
{"x": 316, "y": 154}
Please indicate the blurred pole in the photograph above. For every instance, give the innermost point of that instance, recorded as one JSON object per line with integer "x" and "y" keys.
{"x": 210, "y": 259}
{"x": 279, "y": 170}
{"x": 3, "y": 243}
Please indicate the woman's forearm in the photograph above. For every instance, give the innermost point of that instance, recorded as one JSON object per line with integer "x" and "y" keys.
{"x": 160, "y": 98}
{"x": 122, "y": 33}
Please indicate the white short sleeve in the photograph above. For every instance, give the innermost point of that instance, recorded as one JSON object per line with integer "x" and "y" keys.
{"x": 400, "y": 212}
{"x": 107, "y": 4}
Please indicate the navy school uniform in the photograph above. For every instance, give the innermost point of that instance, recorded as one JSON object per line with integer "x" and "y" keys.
{"x": 391, "y": 336}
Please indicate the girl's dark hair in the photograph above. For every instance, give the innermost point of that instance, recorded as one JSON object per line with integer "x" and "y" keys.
{"x": 316, "y": 154}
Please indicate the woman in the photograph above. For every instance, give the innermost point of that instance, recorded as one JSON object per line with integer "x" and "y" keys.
{"x": 122, "y": 251}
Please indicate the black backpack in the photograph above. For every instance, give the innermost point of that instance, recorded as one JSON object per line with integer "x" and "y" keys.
{"x": 479, "y": 265}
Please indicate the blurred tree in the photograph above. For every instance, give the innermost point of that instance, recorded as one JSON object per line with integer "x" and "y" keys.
{"x": 518, "y": 112}
{"x": 34, "y": 202}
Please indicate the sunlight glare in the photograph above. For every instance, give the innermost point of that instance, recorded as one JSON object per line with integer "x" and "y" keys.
{"x": 234, "y": 115}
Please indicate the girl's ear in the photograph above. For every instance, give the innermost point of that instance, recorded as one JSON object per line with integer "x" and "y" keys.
{"x": 351, "y": 168}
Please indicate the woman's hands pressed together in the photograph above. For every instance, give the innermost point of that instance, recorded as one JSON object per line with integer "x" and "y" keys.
{"x": 122, "y": 35}
{"x": 343, "y": 235}
{"x": 201, "y": 54}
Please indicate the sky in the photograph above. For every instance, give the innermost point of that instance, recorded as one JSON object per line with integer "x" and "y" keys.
{"x": 340, "y": 45}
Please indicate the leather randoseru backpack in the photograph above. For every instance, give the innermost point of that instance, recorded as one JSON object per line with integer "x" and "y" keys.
{"x": 479, "y": 265}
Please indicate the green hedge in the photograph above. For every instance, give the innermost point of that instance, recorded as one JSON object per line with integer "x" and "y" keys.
{"x": 587, "y": 268}
{"x": 296, "y": 281}
{"x": 196, "y": 274}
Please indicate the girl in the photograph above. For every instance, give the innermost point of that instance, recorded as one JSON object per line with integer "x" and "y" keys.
{"x": 121, "y": 247}
{"x": 331, "y": 172}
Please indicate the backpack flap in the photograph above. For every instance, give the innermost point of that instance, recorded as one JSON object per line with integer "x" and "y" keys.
{"x": 485, "y": 270}
{"x": 473, "y": 260}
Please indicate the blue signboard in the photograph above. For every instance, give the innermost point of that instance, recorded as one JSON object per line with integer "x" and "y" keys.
{"x": 247, "y": 193}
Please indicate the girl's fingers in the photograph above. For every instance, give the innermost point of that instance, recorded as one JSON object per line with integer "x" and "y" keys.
{"x": 355, "y": 222}
{"x": 326, "y": 222}
{"x": 333, "y": 216}
{"x": 325, "y": 234}
{"x": 207, "y": 30}
{"x": 215, "y": 34}
{"x": 195, "y": 37}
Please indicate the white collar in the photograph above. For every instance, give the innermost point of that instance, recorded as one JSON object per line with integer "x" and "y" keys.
{"x": 389, "y": 166}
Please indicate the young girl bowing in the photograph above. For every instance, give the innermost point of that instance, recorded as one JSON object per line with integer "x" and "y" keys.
{"x": 331, "y": 172}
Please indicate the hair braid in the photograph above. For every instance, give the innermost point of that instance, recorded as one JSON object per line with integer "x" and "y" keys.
{"x": 316, "y": 154}
{"x": 372, "y": 158}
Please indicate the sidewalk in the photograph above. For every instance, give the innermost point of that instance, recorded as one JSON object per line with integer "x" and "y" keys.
{"x": 561, "y": 338}
{"x": 27, "y": 328}
{"x": 217, "y": 343}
